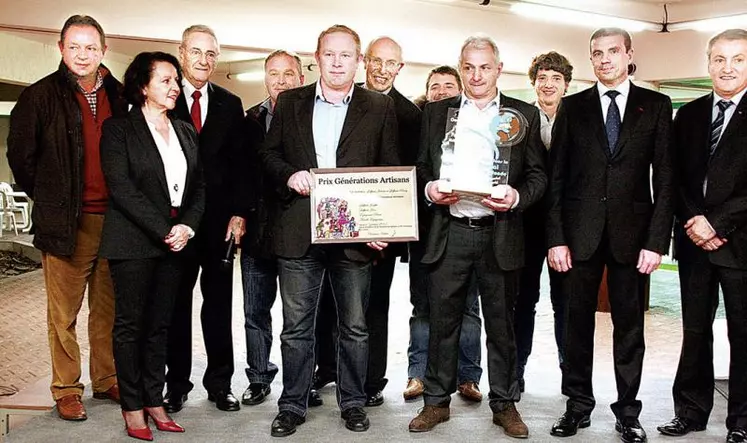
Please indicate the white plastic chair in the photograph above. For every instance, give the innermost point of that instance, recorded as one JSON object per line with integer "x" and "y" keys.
{"x": 14, "y": 206}
{"x": 6, "y": 213}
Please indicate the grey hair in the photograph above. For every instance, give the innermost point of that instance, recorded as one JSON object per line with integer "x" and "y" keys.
{"x": 289, "y": 54}
{"x": 480, "y": 41}
{"x": 728, "y": 35}
{"x": 198, "y": 28}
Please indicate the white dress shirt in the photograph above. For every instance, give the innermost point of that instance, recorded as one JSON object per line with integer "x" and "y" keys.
{"x": 188, "y": 89}
{"x": 473, "y": 139}
{"x": 174, "y": 163}
{"x": 621, "y": 100}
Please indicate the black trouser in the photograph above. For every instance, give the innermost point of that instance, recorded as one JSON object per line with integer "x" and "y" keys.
{"x": 377, "y": 320}
{"x": 529, "y": 294}
{"x": 469, "y": 251}
{"x": 626, "y": 295}
{"x": 144, "y": 299}
{"x": 326, "y": 334}
{"x": 216, "y": 284}
{"x": 693, "y": 384}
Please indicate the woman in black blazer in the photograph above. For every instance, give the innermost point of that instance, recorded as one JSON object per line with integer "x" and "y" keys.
{"x": 157, "y": 197}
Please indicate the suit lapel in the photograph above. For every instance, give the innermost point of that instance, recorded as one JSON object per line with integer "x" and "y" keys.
{"x": 181, "y": 109}
{"x": 190, "y": 154}
{"x": 215, "y": 102}
{"x": 736, "y": 126}
{"x": 146, "y": 138}
{"x": 633, "y": 110}
{"x": 304, "y": 110}
{"x": 356, "y": 110}
{"x": 596, "y": 118}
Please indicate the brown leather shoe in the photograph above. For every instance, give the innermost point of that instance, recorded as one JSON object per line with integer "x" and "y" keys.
{"x": 110, "y": 394}
{"x": 470, "y": 391}
{"x": 429, "y": 417}
{"x": 414, "y": 389}
{"x": 511, "y": 422}
{"x": 69, "y": 407}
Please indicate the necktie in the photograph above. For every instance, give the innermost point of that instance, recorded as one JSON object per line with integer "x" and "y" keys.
{"x": 718, "y": 124}
{"x": 196, "y": 111}
{"x": 613, "y": 122}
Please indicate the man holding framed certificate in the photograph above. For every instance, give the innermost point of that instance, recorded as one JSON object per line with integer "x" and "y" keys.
{"x": 329, "y": 124}
{"x": 481, "y": 163}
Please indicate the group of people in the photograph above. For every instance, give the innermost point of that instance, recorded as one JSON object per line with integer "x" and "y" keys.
{"x": 131, "y": 205}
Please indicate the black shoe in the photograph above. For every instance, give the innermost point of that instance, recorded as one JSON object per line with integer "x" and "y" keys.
{"x": 569, "y": 423}
{"x": 224, "y": 400}
{"x": 376, "y": 399}
{"x": 355, "y": 419}
{"x": 322, "y": 380}
{"x": 255, "y": 394}
{"x": 315, "y": 399}
{"x": 174, "y": 402}
{"x": 630, "y": 430}
{"x": 737, "y": 435}
{"x": 680, "y": 426}
{"x": 285, "y": 424}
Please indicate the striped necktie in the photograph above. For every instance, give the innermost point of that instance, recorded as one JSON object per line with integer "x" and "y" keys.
{"x": 717, "y": 126}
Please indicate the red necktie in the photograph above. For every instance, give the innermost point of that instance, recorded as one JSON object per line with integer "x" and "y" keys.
{"x": 196, "y": 111}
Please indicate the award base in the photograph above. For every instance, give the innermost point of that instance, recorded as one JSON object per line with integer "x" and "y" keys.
{"x": 497, "y": 192}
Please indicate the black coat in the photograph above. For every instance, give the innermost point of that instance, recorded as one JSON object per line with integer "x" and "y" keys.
{"x": 526, "y": 175}
{"x": 258, "y": 239}
{"x": 368, "y": 138}
{"x": 223, "y": 154}
{"x": 45, "y": 153}
{"x": 725, "y": 202}
{"x": 138, "y": 217}
{"x": 593, "y": 191}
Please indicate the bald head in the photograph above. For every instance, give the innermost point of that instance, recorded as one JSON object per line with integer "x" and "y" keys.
{"x": 383, "y": 62}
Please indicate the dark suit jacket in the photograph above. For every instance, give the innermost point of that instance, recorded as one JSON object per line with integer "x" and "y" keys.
{"x": 526, "y": 175}
{"x": 223, "y": 154}
{"x": 368, "y": 138}
{"x": 258, "y": 239}
{"x": 725, "y": 202}
{"x": 138, "y": 217}
{"x": 592, "y": 191}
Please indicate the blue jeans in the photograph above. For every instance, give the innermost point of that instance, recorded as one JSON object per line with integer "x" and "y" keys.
{"x": 300, "y": 290}
{"x": 469, "y": 338}
{"x": 259, "y": 279}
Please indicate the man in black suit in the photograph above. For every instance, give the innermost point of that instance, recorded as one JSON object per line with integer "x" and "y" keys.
{"x": 476, "y": 237}
{"x": 217, "y": 116}
{"x": 606, "y": 141}
{"x": 259, "y": 271}
{"x": 332, "y": 123}
{"x": 383, "y": 61}
{"x": 710, "y": 135}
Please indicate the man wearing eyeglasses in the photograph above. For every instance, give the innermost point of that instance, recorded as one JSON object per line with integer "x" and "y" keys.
{"x": 383, "y": 61}
{"x": 217, "y": 116}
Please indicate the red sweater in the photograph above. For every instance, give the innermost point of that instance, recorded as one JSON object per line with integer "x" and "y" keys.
{"x": 95, "y": 193}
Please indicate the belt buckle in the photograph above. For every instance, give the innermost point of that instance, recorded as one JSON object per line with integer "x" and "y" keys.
{"x": 469, "y": 223}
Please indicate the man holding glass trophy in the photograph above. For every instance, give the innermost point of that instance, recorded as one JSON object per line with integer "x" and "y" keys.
{"x": 481, "y": 163}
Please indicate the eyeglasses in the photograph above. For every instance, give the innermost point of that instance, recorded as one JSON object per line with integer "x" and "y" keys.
{"x": 377, "y": 63}
{"x": 195, "y": 53}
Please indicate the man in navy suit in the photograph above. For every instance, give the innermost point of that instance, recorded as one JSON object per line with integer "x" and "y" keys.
{"x": 607, "y": 140}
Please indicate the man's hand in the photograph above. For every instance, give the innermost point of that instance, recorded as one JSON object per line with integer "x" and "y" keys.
{"x": 714, "y": 243}
{"x": 377, "y": 245}
{"x": 300, "y": 182}
{"x": 648, "y": 261}
{"x": 177, "y": 238}
{"x": 699, "y": 230}
{"x": 237, "y": 227}
{"x": 438, "y": 197}
{"x": 559, "y": 258}
{"x": 501, "y": 204}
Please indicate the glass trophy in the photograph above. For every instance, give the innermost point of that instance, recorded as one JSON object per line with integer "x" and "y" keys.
{"x": 482, "y": 169}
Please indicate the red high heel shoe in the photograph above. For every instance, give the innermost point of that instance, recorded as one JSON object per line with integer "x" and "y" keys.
{"x": 166, "y": 426}
{"x": 141, "y": 434}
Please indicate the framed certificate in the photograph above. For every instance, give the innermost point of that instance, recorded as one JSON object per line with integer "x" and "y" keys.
{"x": 360, "y": 205}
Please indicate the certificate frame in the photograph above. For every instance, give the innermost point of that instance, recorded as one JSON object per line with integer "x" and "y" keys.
{"x": 364, "y": 204}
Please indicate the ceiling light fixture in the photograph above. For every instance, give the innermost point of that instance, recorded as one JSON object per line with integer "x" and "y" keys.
{"x": 711, "y": 24}
{"x": 580, "y": 18}
{"x": 252, "y": 76}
